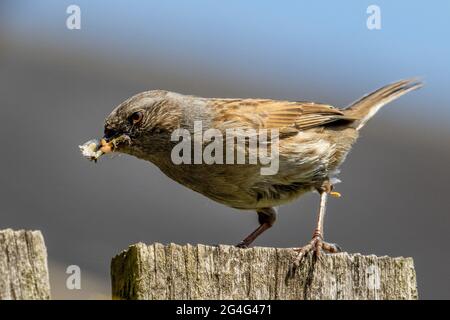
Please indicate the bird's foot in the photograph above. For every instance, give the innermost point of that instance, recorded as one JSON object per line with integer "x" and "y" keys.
{"x": 316, "y": 245}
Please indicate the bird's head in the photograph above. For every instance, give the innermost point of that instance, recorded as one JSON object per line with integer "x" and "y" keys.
{"x": 142, "y": 125}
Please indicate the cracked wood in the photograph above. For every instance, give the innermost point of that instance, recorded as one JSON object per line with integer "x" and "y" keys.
{"x": 204, "y": 272}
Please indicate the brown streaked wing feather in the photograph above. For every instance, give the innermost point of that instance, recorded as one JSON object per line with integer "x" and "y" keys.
{"x": 269, "y": 114}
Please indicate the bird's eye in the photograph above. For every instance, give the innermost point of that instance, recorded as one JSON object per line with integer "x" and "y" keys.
{"x": 136, "y": 117}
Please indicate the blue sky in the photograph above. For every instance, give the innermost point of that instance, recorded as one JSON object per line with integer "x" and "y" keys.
{"x": 325, "y": 41}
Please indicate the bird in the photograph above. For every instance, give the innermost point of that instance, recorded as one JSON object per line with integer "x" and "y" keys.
{"x": 313, "y": 140}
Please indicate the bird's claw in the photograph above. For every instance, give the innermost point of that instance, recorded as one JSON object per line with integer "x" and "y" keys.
{"x": 316, "y": 245}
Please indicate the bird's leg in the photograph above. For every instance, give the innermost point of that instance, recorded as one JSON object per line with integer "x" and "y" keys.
{"x": 317, "y": 244}
{"x": 266, "y": 218}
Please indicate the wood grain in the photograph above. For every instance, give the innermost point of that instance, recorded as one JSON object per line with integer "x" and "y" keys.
{"x": 23, "y": 266}
{"x": 203, "y": 272}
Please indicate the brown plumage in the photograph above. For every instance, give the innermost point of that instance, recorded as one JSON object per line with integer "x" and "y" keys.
{"x": 314, "y": 140}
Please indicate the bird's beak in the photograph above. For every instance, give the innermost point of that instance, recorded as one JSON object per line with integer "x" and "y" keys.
{"x": 111, "y": 134}
{"x": 116, "y": 140}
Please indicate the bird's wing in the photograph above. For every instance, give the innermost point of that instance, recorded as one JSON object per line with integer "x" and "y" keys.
{"x": 271, "y": 114}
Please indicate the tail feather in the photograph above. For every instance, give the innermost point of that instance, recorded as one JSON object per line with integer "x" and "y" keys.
{"x": 366, "y": 107}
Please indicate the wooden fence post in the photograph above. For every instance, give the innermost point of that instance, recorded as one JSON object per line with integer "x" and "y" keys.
{"x": 203, "y": 272}
{"x": 23, "y": 266}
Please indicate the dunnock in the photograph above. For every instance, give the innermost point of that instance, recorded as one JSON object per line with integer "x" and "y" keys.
{"x": 313, "y": 141}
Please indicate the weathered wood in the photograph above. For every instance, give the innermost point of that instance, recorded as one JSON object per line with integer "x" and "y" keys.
{"x": 225, "y": 272}
{"x": 23, "y": 266}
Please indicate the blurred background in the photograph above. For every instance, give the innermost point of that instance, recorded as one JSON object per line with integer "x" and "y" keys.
{"x": 57, "y": 85}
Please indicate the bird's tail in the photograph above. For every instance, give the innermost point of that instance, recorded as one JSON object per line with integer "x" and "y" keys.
{"x": 366, "y": 107}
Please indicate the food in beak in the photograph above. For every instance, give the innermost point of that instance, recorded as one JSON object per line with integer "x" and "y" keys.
{"x": 94, "y": 149}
